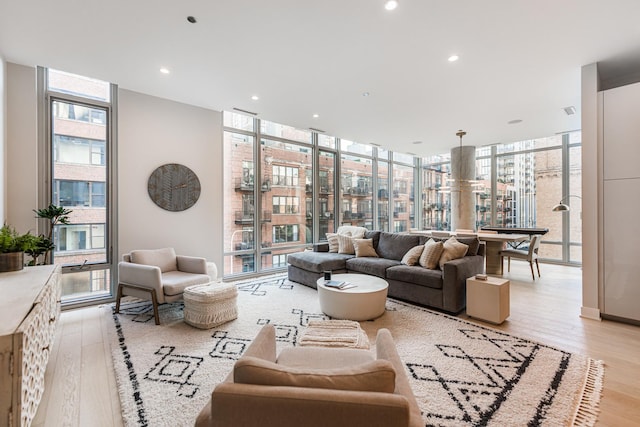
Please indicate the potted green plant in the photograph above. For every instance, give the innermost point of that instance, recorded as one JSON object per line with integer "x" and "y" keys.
{"x": 13, "y": 245}
{"x": 55, "y": 215}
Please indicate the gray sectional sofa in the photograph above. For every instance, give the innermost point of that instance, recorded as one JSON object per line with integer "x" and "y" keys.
{"x": 441, "y": 289}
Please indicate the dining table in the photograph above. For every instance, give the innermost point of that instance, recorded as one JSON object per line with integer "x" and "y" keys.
{"x": 494, "y": 243}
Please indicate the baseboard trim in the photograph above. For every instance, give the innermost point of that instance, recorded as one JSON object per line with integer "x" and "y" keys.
{"x": 590, "y": 313}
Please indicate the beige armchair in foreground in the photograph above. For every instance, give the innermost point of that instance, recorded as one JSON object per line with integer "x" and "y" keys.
{"x": 314, "y": 387}
{"x": 159, "y": 275}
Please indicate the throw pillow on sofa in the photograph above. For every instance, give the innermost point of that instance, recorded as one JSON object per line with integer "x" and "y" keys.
{"x": 345, "y": 244}
{"x": 412, "y": 256}
{"x": 364, "y": 248}
{"x": 431, "y": 254}
{"x": 332, "y": 239}
{"x": 452, "y": 250}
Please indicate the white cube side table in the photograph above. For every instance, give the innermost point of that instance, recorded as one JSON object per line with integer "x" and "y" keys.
{"x": 488, "y": 299}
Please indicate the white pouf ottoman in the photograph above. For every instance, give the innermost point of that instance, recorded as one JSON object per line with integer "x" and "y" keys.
{"x": 334, "y": 333}
{"x": 207, "y": 306}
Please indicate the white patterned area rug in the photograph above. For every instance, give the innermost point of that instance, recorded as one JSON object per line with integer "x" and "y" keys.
{"x": 461, "y": 374}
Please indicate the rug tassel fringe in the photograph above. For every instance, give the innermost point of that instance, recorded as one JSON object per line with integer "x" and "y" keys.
{"x": 588, "y": 409}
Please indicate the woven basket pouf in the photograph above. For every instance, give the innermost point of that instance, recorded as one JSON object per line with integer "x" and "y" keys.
{"x": 207, "y": 306}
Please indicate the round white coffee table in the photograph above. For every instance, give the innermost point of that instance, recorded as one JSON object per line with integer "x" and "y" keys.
{"x": 365, "y": 301}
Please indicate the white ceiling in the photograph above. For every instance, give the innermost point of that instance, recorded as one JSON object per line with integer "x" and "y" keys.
{"x": 519, "y": 59}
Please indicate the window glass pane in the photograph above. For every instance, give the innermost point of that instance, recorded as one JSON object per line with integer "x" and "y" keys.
{"x": 575, "y": 203}
{"x": 356, "y": 147}
{"x": 383, "y": 153}
{"x": 436, "y": 210}
{"x": 74, "y": 84}
{"x": 238, "y": 121}
{"x": 403, "y": 158}
{"x": 326, "y": 208}
{"x": 79, "y": 168}
{"x": 383, "y": 195}
{"x": 403, "y": 197}
{"x": 287, "y": 167}
{"x": 483, "y": 151}
{"x": 483, "y": 194}
{"x": 239, "y": 207}
{"x": 85, "y": 284}
{"x": 283, "y": 131}
{"x": 327, "y": 141}
{"x": 356, "y": 189}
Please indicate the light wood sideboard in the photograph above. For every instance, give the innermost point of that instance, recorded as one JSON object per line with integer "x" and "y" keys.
{"x": 29, "y": 312}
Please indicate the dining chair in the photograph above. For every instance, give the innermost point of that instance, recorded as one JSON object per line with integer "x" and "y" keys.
{"x": 530, "y": 255}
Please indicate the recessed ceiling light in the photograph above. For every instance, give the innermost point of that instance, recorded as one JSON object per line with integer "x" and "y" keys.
{"x": 453, "y": 58}
{"x": 315, "y": 116}
{"x": 514, "y": 122}
{"x": 391, "y": 4}
{"x": 417, "y": 142}
{"x": 365, "y": 94}
{"x": 255, "y": 97}
{"x": 164, "y": 70}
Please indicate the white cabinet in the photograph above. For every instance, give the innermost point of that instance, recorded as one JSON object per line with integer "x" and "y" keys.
{"x": 29, "y": 312}
{"x": 621, "y": 201}
{"x": 621, "y": 125}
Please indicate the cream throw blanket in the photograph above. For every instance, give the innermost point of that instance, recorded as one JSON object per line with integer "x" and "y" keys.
{"x": 334, "y": 333}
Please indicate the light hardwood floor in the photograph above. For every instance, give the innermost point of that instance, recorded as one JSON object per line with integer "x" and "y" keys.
{"x": 80, "y": 385}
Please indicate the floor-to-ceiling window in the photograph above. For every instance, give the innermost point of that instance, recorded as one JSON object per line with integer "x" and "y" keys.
{"x": 80, "y": 143}
{"x": 285, "y": 188}
{"x": 520, "y": 183}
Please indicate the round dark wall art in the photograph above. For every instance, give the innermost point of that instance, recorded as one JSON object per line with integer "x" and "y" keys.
{"x": 174, "y": 187}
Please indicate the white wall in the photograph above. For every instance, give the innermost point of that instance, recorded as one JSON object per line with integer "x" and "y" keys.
{"x": 3, "y": 136}
{"x": 155, "y": 131}
{"x": 21, "y": 148}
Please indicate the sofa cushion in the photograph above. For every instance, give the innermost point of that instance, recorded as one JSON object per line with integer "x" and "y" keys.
{"x": 412, "y": 256}
{"x": 174, "y": 282}
{"x": 395, "y": 245}
{"x": 431, "y": 254}
{"x": 416, "y": 275}
{"x": 165, "y": 258}
{"x": 472, "y": 242}
{"x": 452, "y": 250}
{"x": 364, "y": 248}
{"x": 371, "y": 266}
{"x": 377, "y": 376}
{"x": 375, "y": 236}
{"x": 345, "y": 244}
{"x": 332, "y": 239}
{"x": 356, "y": 232}
{"x": 318, "y": 261}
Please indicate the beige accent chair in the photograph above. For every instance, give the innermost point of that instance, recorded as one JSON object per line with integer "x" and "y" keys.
{"x": 160, "y": 275}
{"x": 314, "y": 387}
{"x": 530, "y": 255}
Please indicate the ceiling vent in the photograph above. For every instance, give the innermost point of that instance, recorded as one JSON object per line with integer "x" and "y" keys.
{"x": 570, "y": 110}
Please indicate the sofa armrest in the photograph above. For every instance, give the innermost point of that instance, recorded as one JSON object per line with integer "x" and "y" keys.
{"x": 454, "y": 281}
{"x": 264, "y": 344}
{"x": 321, "y": 247}
{"x": 140, "y": 274}
{"x": 191, "y": 264}
{"x": 301, "y": 406}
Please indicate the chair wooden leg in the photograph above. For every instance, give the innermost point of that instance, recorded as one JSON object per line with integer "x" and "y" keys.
{"x": 118, "y": 298}
{"x": 154, "y": 301}
{"x": 538, "y": 267}
{"x": 509, "y": 264}
{"x": 532, "y": 273}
